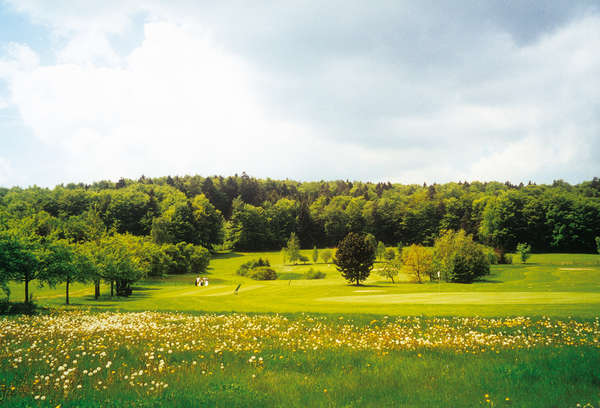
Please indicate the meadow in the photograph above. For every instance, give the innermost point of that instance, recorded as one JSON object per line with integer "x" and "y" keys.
{"x": 526, "y": 336}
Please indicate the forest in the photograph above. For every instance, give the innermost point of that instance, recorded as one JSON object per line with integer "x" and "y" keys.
{"x": 246, "y": 213}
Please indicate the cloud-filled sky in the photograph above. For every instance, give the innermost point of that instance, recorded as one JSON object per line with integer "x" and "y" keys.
{"x": 398, "y": 91}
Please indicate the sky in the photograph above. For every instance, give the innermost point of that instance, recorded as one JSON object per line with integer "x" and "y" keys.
{"x": 400, "y": 91}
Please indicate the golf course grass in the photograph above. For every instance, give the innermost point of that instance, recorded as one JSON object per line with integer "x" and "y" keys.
{"x": 557, "y": 285}
{"x": 528, "y": 335}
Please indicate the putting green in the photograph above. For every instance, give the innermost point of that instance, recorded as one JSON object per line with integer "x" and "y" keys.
{"x": 471, "y": 298}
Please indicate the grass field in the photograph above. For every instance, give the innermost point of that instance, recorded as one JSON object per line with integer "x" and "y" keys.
{"x": 558, "y": 285}
{"x": 526, "y": 336}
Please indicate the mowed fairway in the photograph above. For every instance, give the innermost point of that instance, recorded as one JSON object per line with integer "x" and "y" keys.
{"x": 559, "y": 285}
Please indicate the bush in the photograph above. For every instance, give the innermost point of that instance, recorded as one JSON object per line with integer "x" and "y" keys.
{"x": 491, "y": 254}
{"x": 262, "y": 273}
{"x": 8, "y": 308}
{"x": 312, "y": 274}
{"x": 326, "y": 255}
{"x": 255, "y": 263}
{"x": 302, "y": 259}
{"x": 503, "y": 257}
{"x": 459, "y": 258}
{"x": 525, "y": 251}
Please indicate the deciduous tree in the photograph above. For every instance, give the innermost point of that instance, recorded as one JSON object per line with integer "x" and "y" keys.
{"x": 354, "y": 258}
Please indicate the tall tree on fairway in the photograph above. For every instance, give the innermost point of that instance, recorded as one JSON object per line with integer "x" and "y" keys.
{"x": 354, "y": 258}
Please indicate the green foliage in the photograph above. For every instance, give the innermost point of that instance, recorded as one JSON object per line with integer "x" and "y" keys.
{"x": 380, "y": 250}
{"x": 524, "y": 251}
{"x": 314, "y": 274}
{"x": 186, "y": 258}
{"x": 459, "y": 258}
{"x": 354, "y": 258}
{"x": 262, "y": 273}
{"x": 417, "y": 261}
{"x": 261, "y": 214}
{"x": 194, "y": 222}
{"x": 326, "y": 255}
{"x": 597, "y": 239}
{"x": 389, "y": 254}
{"x": 390, "y": 269}
{"x": 315, "y": 254}
{"x": 61, "y": 263}
{"x": 503, "y": 257}
{"x": 248, "y": 228}
{"x": 293, "y": 249}
{"x": 372, "y": 241}
{"x": 246, "y": 267}
{"x": 19, "y": 261}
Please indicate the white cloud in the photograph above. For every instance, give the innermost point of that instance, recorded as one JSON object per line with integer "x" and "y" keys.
{"x": 186, "y": 101}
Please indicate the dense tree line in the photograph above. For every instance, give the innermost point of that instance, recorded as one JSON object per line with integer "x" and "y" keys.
{"x": 247, "y": 213}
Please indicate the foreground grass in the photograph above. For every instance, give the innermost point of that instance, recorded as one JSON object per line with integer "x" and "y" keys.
{"x": 82, "y": 359}
{"x": 556, "y": 285}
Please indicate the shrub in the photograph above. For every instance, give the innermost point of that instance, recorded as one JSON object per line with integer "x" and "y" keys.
{"x": 491, "y": 254}
{"x": 525, "y": 251}
{"x": 312, "y": 274}
{"x": 254, "y": 263}
{"x": 503, "y": 257}
{"x": 326, "y": 255}
{"x": 262, "y": 273}
{"x": 459, "y": 258}
{"x": 389, "y": 255}
{"x": 302, "y": 259}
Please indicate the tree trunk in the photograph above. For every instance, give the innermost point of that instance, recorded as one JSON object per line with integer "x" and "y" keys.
{"x": 26, "y": 290}
{"x": 67, "y": 297}
{"x": 96, "y": 289}
{"x": 112, "y": 288}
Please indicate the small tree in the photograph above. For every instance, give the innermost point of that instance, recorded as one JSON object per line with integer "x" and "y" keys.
{"x": 459, "y": 258}
{"x": 19, "y": 261}
{"x": 372, "y": 241}
{"x": 293, "y": 248}
{"x": 380, "y": 251}
{"x": 524, "y": 251}
{"x": 390, "y": 269}
{"x": 598, "y": 244}
{"x": 283, "y": 255}
{"x": 315, "y": 254}
{"x": 389, "y": 255}
{"x": 63, "y": 264}
{"x": 417, "y": 261}
{"x": 326, "y": 255}
{"x": 354, "y": 258}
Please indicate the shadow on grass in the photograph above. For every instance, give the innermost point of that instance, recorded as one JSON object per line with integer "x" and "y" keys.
{"x": 226, "y": 255}
{"x": 142, "y": 288}
{"x": 107, "y": 298}
{"x": 487, "y": 280}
